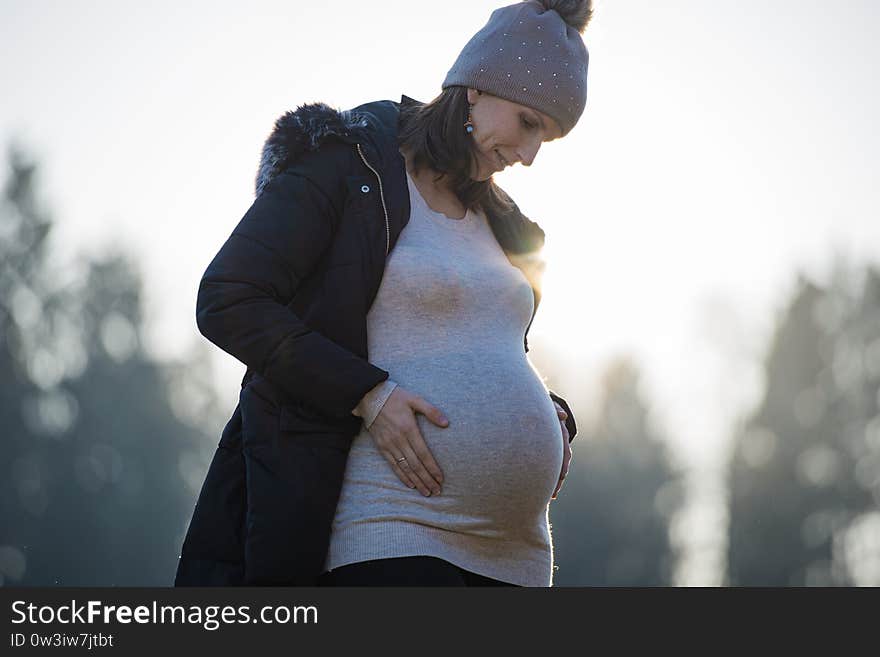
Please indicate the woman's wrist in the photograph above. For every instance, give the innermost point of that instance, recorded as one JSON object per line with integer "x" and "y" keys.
{"x": 371, "y": 403}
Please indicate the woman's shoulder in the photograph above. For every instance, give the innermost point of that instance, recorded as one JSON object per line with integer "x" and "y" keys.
{"x": 516, "y": 233}
{"x": 313, "y": 136}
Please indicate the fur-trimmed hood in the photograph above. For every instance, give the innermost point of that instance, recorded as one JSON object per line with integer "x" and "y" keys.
{"x": 373, "y": 125}
{"x": 303, "y": 130}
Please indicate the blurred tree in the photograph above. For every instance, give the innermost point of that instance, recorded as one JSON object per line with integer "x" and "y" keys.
{"x": 102, "y": 448}
{"x": 804, "y": 474}
{"x": 611, "y": 521}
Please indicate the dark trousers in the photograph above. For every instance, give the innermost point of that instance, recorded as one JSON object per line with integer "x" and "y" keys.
{"x": 405, "y": 571}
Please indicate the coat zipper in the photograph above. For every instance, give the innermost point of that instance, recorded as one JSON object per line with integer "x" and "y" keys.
{"x": 382, "y": 197}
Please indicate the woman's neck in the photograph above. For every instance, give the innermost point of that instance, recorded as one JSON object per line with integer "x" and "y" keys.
{"x": 438, "y": 196}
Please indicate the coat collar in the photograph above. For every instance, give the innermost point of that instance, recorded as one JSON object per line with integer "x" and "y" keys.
{"x": 302, "y": 130}
{"x": 374, "y": 126}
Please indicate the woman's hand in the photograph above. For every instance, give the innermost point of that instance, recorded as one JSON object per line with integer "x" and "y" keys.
{"x": 397, "y": 436}
{"x": 566, "y": 448}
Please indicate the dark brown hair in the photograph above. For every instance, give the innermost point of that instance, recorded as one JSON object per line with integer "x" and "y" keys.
{"x": 434, "y": 133}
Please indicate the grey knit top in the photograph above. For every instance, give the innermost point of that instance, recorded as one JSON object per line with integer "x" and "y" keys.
{"x": 448, "y": 324}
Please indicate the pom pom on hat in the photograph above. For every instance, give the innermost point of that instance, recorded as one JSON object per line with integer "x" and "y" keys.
{"x": 576, "y": 13}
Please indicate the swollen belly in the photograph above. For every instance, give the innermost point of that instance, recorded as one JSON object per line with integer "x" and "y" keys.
{"x": 500, "y": 454}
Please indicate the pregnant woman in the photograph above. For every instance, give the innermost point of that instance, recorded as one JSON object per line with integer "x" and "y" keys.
{"x": 391, "y": 429}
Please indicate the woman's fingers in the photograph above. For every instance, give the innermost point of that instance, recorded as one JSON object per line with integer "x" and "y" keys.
{"x": 424, "y": 463}
{"x": 409, "y": 466}
{"x": 560, "y": 412}
{"x": 418, "y": 444}
{"x": 430, "y": 411}
{"x": 411, "y": 472}
{"x": 396, "y": 433}
{"x": 418, "y": 456}
{"x": 395, "y": 464}
{"x": 410, "y": 463}
{"x": 566, "y": 460}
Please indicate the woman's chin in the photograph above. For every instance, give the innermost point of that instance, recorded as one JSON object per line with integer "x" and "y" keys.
{"x": 484, "y": 174}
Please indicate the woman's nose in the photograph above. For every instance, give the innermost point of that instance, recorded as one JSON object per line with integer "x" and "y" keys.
{"x": 527, "y": 153}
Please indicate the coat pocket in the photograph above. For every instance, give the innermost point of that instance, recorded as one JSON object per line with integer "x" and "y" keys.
{"x": 300, "y": 427}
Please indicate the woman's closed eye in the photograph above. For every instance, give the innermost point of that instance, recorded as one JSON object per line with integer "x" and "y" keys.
{"x": 528, "y": 124}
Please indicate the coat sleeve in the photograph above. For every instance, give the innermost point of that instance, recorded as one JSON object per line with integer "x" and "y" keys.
{"x": 243, "y": 296}
{"x": 570, "y": 424}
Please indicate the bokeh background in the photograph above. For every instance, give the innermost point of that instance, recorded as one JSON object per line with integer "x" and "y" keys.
{"x": 712, "y": 299}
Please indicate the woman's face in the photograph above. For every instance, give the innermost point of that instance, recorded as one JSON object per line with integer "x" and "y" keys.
{"x": 506, "y": 133}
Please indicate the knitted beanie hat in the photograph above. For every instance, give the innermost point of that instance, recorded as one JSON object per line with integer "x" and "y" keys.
{"x": 531, "y": 53}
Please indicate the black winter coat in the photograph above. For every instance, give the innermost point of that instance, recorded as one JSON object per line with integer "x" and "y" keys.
{"x": 287, "y": 295}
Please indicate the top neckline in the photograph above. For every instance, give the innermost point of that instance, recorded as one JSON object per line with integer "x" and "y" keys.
{"x": 467, "y": 219}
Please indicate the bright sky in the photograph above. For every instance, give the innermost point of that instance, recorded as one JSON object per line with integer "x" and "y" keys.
{"x": 724, "y": 147}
